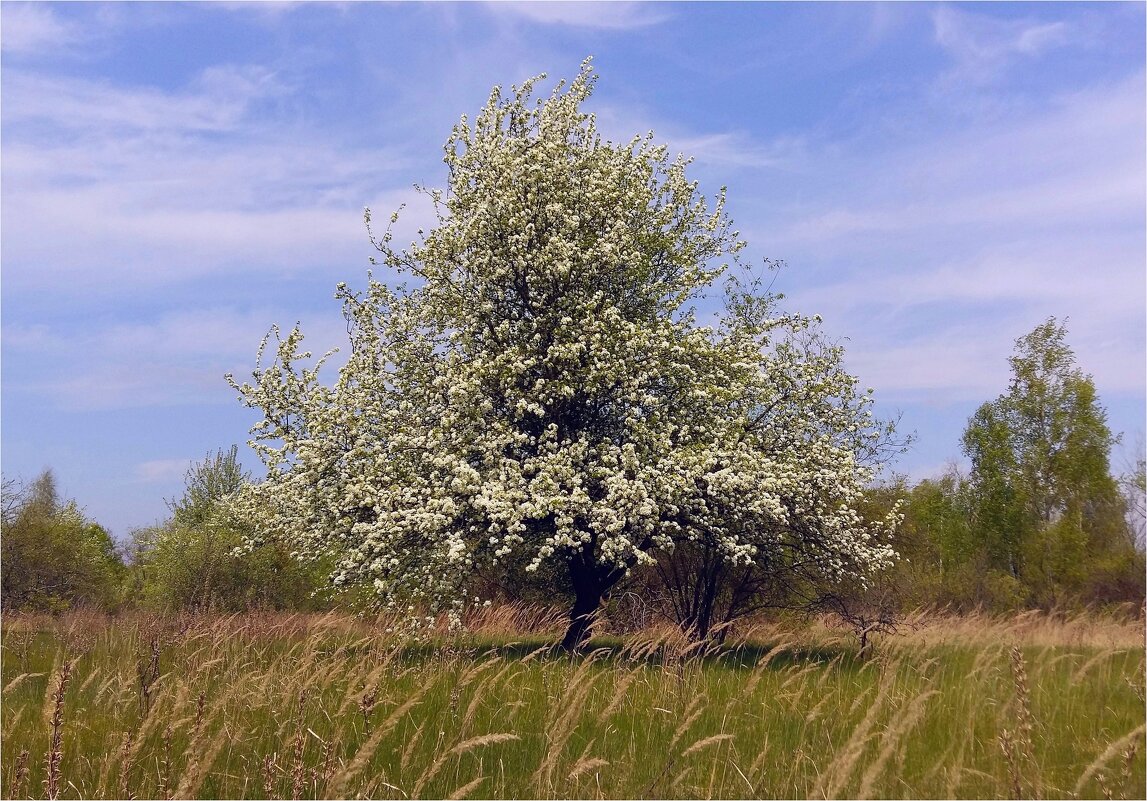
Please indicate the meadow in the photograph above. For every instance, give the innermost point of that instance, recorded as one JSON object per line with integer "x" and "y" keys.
{"x": 298, "y": 706}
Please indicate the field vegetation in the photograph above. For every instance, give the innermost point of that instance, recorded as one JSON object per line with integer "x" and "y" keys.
{"x": 306, "y": 706}
{"x": 547, "y": 535}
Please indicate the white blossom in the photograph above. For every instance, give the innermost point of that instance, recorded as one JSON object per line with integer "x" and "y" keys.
{"x": 541, "y": 389}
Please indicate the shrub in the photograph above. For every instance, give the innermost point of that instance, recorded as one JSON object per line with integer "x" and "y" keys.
{"x": 53, "y": 556}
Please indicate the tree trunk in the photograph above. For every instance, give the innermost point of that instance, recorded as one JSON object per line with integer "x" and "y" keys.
{"x": 581, "y": 616}
{"x": 590, "y": 582}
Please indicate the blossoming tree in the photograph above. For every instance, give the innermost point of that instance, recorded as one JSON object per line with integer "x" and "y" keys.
{"x": 541, "y": 391}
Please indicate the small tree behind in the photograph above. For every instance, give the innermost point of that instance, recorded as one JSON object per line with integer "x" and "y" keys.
{"x": 53, "y": 557}
{"x": 1045, "y": 502}
{"x": 202, "y": 558}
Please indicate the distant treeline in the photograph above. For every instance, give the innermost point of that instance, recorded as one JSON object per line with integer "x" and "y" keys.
{"x": 961, "y": 547}
{"x": 1039, "y": 521}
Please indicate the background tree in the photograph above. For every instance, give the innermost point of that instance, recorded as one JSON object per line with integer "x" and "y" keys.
{"x": 1133, "y": 483}
{"x": 1045, "y": 502}
{"x": 543, "y": 392}
{"x": 703, "y": 591}
{"x": 201, "y": 558}
{"x": 948, "y": 562}
{"x": 54, "y": 557}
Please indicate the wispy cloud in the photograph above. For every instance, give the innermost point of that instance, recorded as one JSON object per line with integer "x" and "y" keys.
{"x": 141, "y": 178}
{"x": 220, "y": 99}
{"x": 993, "y": 223}
{"x": 31, "y": 28}
{"x": 615, "y": 16}
{"x": 982, "y": 45}
{"x": 161, "y": 471}
{"x": 727, "y": 149}
{"x": 721, "y": 149}
{"x": 176, "y": 358}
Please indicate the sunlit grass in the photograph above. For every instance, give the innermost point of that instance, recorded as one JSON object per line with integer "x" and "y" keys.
{"x": 310, "y": 706}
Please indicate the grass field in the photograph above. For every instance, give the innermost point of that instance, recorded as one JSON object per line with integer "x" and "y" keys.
{"x": 330, "y": 706}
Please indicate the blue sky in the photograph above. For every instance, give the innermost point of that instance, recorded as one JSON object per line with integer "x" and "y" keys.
{"x": 177, "y": 178}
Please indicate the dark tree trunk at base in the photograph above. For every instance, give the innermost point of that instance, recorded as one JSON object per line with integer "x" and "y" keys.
{"x": 581, "y": 616}
{"x": 590, "y": 582}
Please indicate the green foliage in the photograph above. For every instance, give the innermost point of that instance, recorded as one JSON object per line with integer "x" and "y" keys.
{"x": 1044, "y": 507}
{"x": 200, "y": 558}
{"x": 944, "y": 561}
{"x": 1133, "y": 484}
{"x": 53, "y": 556}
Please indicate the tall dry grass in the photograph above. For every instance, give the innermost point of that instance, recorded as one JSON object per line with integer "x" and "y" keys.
{"x": 307, "y": 706}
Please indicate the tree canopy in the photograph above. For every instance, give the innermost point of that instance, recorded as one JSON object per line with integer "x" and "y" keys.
{"x": 542, "y": 393}
{"x": 201, "y": 558}
{"x": 1046, "y": 504}
{"x": 53, "y": 556}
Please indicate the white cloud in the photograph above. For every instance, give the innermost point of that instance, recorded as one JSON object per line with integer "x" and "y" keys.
{"x": 611, "y": 15}
{"x": 219, "y": 101}
{"x": 31, "y": 28}
{"x": 732, "y": 149}
{"x": 983, "y": 46}
{"x": 176, "y": 358}
{"x": 161, "y": 471}
{"x": 707, "y": 148}
{"x": 131, "y": 187}
{"x": 1078, "y": 160}
{"x": 998, "y": 224}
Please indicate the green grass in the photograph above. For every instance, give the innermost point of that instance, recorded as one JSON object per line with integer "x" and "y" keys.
{"x": 965, "y": 707}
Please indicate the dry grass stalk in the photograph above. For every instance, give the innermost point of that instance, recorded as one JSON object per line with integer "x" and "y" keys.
{"x": 55, "y": 753}
{"x": 1101, "y": 780}
{"x": 759, "y": 759}
{"x": 126, "y": 753}
{"x": 200, "y": 708}
{"x": 1008, "y": 746}
{"x": 620, "y": 689}
{"x": 298, "y": 768}
{"x": 1092, "y": 662}
{"x": 270, "y": 781}
{"x": 16, "y": 682}
{"x": 147, "y": 673}
{"x": 1026, "y": 723}
{"x": 466, "y": 745}
{"x": 1128, "y": 762}
{"x": 585, "y": 766}
{"x": 371, "y": 679}
{"x": 891, "y": 740}
{"x": 467, "y": 788}
{"x": 19, "y": 776}
{"x": 92, "y": 676}
{"x": 563, "y": 717}
{"x": 366, "y": 751}
{"x": 411, "y": 744}
{"x": 1113, "y": 750}
{"x": 733, "y": 757}
{"x": 830, "y": 783}
{"x": 321, "y": 775}
{"x": 478, "y": 742}
{"x": 476, "y": 699}
{"x": 705, "y": 743}
{"x": 199, "y": 764}
{"x": 692, "y": 711}
{"x": 165, "y": 766}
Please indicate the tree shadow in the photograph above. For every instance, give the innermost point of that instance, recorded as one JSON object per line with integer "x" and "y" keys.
{"x": 744, "y": 656}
